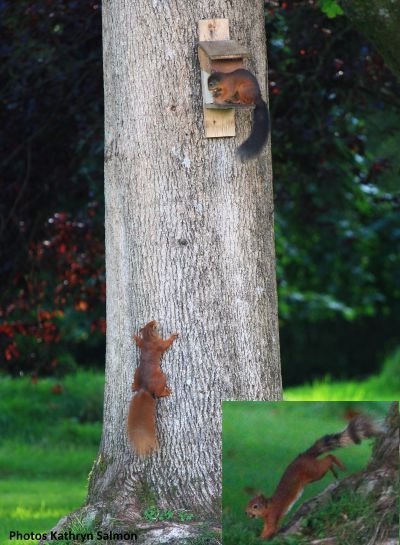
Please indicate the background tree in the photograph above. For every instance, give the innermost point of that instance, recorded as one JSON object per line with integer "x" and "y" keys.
{"x": 189, "y": 241}
{"x": 335, "y": 112}
{"x": 52, "y": 307}
{"x": 379, "y": 21}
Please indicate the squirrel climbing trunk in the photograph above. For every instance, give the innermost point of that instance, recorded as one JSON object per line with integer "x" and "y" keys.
{"x": 149, "y": 382}
{"x": 142, "y": 423}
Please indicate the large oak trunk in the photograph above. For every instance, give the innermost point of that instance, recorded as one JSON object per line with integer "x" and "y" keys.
{"x": 189, "y": 242}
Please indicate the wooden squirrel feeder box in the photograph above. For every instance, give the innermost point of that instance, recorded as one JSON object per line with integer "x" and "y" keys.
{"x": 217, "y": 53}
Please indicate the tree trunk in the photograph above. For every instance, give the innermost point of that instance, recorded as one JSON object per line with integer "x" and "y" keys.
{"x": 386, "y": 449}
{"x": 189, "y": 242}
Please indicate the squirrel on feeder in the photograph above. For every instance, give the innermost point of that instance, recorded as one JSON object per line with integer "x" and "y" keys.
{"x": 241, "y": 87}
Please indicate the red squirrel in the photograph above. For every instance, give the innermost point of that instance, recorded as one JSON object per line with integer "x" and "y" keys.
{"x": 149, "y": 382}
{"x": 305, "y": 469}
{"x": 241, "y": 87}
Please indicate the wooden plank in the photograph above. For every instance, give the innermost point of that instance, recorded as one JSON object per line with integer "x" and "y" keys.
{"x": 224, "y": 49}
{"x": 205, "y": 62}
{"x": 217, "y": 123}
{"x": 213, "y": 30}
{"x": 227, "y": 105}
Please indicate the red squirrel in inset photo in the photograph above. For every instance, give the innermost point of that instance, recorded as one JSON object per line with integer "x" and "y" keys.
{"x": 305, "y": 469}
{"x": 149, "y": 383}
{"x": 241, "y": 87}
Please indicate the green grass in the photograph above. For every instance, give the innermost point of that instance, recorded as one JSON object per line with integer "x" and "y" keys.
{"x": 36, "y": 462}
{"x": 261, "y": 439}
{"x": 36, "y": 505}
{"x": 327, "y": 390}
{"x": 49, "y": 443}
{"x": 353, "y": 517}
{"x": 383, "y": 387}
{"x": 31, "y": 411}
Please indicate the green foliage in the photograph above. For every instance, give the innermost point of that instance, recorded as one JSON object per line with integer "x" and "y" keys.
{"x": 335, "y": 127}
{"x": 51, "y": 212}
{"x": 78, "y": 526}
{"x": 331, "y": 8}
{"x": 153, "y": 513}
{"x": 335, "y": 133}
{"x": 353, "y": 517}
{"x": 52, "y": 411}
{"x": 378, "y": 21}
{"x": 341, "y": 510}
{"x": 184, "y": 516}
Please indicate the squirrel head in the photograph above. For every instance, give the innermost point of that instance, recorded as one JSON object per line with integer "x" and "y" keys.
{"x": 149, "y": 330}
{"x": 257, "y": 506}
{"x": 214, "y": 81}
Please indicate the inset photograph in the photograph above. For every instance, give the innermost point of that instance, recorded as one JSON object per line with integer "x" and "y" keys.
{"x": 315, "y": 473}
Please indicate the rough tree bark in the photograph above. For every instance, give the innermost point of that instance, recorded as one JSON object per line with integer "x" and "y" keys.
{"x": 189, "y": 242}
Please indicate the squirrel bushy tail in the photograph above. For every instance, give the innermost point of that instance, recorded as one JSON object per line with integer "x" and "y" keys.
{"x": 141, "y": 423}
{"x": 359, "y": 428}
{"x": 259, "y": 133}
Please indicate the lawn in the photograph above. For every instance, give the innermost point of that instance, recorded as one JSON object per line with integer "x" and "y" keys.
{"x": 327, "y": 390}
{"x": 50, "y": 432}
{"x": 382, "y": 387}
{"x": 36, "y": 505}
{"x": 49, "y": 442}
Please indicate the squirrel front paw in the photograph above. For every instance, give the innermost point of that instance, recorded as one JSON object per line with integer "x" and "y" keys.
{"x": 166, "y": 392}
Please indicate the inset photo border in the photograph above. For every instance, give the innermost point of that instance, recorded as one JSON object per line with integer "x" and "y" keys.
{"x": 272, "y": 451}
